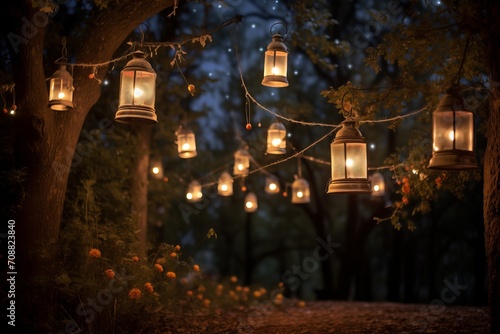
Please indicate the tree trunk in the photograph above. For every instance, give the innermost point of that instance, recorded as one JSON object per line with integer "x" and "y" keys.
{"x": 46, "y": 140}
{"x": 491, "y": 189}
{"x": 249, "y": 261}
{"x": 139, "y": 186}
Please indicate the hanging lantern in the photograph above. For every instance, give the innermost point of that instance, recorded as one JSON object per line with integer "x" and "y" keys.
{"x": 251, "y": 203}
{"x": 137, "y": 92}
{"x": 186, "y": 143}
{"x": 156, "y": 169}
{"x": 300, "y": 191}
{"x": 193, "y": 193}
{"x": 241, "y": 162}
{"x": 276, "y": 143}
{"x": 272, "y": 185}
{"x": 377, "y": 183}
{"x": 61, "y": 90}
{"x": 348, "y": 158}
{"x": 276, "y": 61}
{"x": 225, "y": 184}
{"x": 452, "y": 134}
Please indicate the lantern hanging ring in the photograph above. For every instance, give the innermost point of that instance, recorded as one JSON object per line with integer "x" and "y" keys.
{"x": 281, "y": 23}
{"x": 345, "y": 112}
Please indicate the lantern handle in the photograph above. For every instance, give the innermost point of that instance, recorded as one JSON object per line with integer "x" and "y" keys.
{"x": 283, "y": 24}
{"x": 345, "y": 112}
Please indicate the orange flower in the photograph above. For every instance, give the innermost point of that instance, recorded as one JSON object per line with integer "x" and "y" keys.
{"x": 134, "y": 293}
{"x": 257, "y": 294}
{"x": 301, "y": 303}
{"x": 278, "y": 299}
{"x": 196, "y": 268}
{"x": 149, "y": 287}
{"x": 206, "y": 303}
{"x": 158, "y": 268}
{"x": 135, "y": 258}
{"x": 109, "y": 273}
{"x": 173, "y": 255}
{"x": 234, "y": 279}
{"x": 171, "y": 275}
{"x": 405, "y": 200}
{"x": 177, "y": 248}
{"x": 199, "y": 296}
{"x": 95, "y": 253}
{"x": 189, "y": 293}
{"x": 406, "y": 188}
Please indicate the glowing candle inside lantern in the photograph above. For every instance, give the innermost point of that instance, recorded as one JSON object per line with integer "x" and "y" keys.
{"x": 272, "y": 186}
{"x": 451, "y": 135}
{"x": 376, "y": 187}
{"x": 156, "y": 170}
{"x": 138, "y": 92}
{"x": 300, "y": 194}
{"x": 189, "y": 196}
{"x": 223, "y": 187}
{"x": 249, "y": 205}
{"x": 276, "y": 142}
{"x": 186, "y": 146}
{"x": 275, "y": 70}
{"x": 199, "y": 194}
{"x": 240, "y": 166}
{"x": 349, "y": 163}
{"x": 61, "y": 95}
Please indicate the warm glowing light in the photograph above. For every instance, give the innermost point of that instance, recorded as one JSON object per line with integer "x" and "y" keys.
{"x": 349, "y": 163}
{"x": 272, "y": 186}
{"x": 414, "y": 171}
{"x": 61, "y": 95}
{"x": 275, "y": 70}
{"x": 249, "y": 204}
{"x": 186, "y": 147}
{"x": 376, "y": 187}
{"x": 156, "y": 170}
{"x": 199, "y": 194}
{"x": 276, "y": 142}
{"x": 189, "y": 196}
{"x": 138, "y": 92}
{"x": 223, "y": 187}
{"x": 300, "y": 194}
{"x": 240, "y": 167}
{"x": 451, "y": 135}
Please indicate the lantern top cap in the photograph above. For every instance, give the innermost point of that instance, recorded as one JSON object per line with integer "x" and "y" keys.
{"x": 349, "y": 131}
{"x": 62, "y": 73}
{"x": 452, "y": 101}
{"x": 225, "y": 176}
{"x": 184, "y": 131}
{"x": 277, "y": 34}
{"x": 277, "y": 125}
{"x": 138, "y": 63}
{"x": 300, "y": 182}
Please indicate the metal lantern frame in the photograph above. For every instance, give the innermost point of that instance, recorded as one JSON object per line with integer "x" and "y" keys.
{"x": 349, "y": 161}
{"x": 301, "y": 193}
{"x": 225, "y": 184}
{"x": 276, "y": 138}
{"x": 377, "y": 184}
{"x": 137, "y": 92}
{"x": 276, "y": 60}
{"x": 186, "y": 143}
{"x": 241, "y": 162}
{"x": 272, "y": 185}
{"x": 251, "y": 204}
{"x": 453, "y": 134}
{"x": 61, "y": 90}
{"x": 193, "y": 193}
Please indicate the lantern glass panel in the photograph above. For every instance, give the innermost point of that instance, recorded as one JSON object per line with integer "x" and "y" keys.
{"x": 355, "y": 161}
{"x": 300, "y": 191}
{"x": 275, "y": 63}
{"x": 251, "y": 204}
{"x": 241, "y": 162}
{"x": 449, "y": 136}
{"x": 137, "y": 88}
{"x": 272, "y": 185}
{"x": 194, "y": 193}
{"x": 225, "y": 184}
{"x": 186, "y": 144}
{"x": 337, "y": 160}
{"x": 60, "y": 89}
{"x": 276, "y": 143}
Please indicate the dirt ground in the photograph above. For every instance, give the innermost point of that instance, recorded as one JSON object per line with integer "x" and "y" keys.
{"x": 338, "y": 317}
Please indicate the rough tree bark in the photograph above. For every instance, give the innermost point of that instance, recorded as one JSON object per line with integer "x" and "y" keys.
{"x": 139, "y": 186}
{"x": 491, "y": 191}
{"x": 46, "y": 140}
